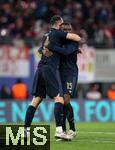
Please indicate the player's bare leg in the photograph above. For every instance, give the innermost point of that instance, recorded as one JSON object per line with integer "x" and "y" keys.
{"x": 58, "y": 113}
{"x": 36, "y": 101}
{"x": 69, "y": 114}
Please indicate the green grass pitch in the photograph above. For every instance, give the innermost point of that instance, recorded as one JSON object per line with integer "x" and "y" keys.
{"x": 90, "y": 136}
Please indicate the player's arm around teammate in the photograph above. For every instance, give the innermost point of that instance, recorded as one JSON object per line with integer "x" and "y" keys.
{"x": 45, "y": 82}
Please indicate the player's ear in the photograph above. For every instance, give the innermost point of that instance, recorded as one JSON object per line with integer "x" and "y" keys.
{"x": 73, "y": 37}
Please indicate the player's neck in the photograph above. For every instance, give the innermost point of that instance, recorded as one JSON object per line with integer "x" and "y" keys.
{"x": 55, "y": 27}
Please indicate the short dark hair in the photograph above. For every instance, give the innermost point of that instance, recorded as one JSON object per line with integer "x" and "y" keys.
{"x": 55, "y": 19}
{"x": 66, "y": 27}
{"x": 65, "y": 24}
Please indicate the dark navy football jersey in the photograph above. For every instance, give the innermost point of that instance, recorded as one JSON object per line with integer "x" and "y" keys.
{"x": 56, "y": 37}
{"x": 68, "y": 64}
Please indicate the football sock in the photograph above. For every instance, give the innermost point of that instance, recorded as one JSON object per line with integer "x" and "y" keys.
{"x": 58, "y": 113}
{"x": 64, "y": 118}
{"x": 70, "y": 116}
{"x": 29, "y": 115}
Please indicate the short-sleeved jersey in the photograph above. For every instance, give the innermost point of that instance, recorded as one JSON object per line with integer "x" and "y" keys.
{"x": 56, "y": 37}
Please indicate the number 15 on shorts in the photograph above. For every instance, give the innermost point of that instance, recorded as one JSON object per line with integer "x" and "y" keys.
{"x": 69, "y": 85}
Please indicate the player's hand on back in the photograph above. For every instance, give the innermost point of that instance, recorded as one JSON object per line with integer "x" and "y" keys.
{"x": 46, "y": 52}
{"x": 81, "y": 51}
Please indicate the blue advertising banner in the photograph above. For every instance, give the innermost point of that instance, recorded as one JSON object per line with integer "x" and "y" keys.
{"x": 84, "y": 110}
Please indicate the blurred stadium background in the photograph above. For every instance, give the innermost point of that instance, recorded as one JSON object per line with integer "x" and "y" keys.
{"x": 22, "y": 25}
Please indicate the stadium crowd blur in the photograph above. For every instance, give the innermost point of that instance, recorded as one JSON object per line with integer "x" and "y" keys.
{"x": 28, "y": 19}
{"x": 24, "y": 22}
{"x": 19, "y": 91}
